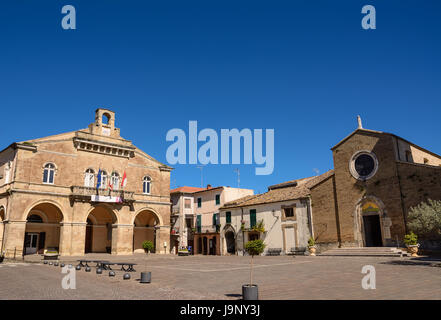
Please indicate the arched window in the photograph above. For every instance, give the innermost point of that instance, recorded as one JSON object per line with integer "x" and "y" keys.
{"x": 89, "y": 178}
{"x": 114, "y": 180}
{"x": 104, "y": 180}
{"x": 35, "y": 218}
{"x": 49, "y": 173}
{"x": 146, "y": 185}
{"x": 106, "y": 118}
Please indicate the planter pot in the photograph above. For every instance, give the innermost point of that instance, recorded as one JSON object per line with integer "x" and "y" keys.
{"x": 413, "y": 250}
{"x": 250, "y": 292}
{"x": 312, "y": 250}
{"x": 1, "y": 259}
{"x": 146, "y": 277}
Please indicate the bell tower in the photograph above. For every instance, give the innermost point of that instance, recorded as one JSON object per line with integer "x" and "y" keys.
{"x": 104, "y": 123}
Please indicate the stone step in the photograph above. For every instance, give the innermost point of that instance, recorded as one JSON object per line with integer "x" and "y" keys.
{"x": 368, "y": 251}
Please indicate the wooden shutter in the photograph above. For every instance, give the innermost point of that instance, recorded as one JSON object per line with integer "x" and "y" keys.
{"x": 253, "y": 218}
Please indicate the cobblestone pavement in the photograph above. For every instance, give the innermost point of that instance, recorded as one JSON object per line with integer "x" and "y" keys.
{"x": 215, "y": 277}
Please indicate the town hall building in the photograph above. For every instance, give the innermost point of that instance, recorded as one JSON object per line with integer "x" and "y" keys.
{"x": 84, "y": 191}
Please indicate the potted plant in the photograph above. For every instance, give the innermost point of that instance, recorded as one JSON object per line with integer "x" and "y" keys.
{"x": 312, "y": 248}
{"x": 148, "y": 246}
{"x": 259, "y": 227}
{"x": 146, "y": 277}
{"x": 411, "y": 241}
{"x": 253, "y": 248}
{"x": 242, "y": 225}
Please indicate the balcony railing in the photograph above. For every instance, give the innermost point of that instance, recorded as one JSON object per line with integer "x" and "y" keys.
{"x": 81, "y": 193}
{"x": 207, "y": 229}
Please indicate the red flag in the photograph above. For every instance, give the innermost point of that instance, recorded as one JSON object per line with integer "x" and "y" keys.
{"x": 124, "y": 180}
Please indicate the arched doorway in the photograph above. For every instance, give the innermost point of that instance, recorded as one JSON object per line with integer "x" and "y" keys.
{"x": 145, "y": 225}
{"x": 42, "y": 228}
{"x": 371, "y": 224}
{"x": 99, "y": 230}
{"x": 230, "y": 242}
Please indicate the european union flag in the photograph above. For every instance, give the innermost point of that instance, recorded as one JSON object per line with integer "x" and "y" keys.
{"x": 98, "y": 180}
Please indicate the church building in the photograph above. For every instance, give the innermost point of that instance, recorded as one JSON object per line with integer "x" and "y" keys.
{"x": 84, "y": 191}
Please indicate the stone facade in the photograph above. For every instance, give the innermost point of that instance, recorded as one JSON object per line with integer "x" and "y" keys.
{"x": 405, "y": 175}
{"x": 49, "y": 194}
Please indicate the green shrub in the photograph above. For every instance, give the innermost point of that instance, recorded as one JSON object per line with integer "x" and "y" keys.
{"x": 148, "y": 245}
{"x": 311, "y": 242}
{"x": 259, "y": 227}
{"x": 411, "y": 239}
{"x": 254, "y": 247}
{"x": 425, "y": 219}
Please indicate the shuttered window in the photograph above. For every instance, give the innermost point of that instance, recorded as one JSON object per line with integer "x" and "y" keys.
{"x": 228, "y": 217}
{"x": 253, "y": 220}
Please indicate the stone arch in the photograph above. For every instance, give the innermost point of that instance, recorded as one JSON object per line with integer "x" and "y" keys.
{"x": 145, "y": 224}
{"x": 228, "y": 240}
{"x": 46, "y": 234}
{"x": 155, "y": 213}
{"x": 367, "y": 208}
{"x": 98, "y": 236}
{"x": 40, "y": 202}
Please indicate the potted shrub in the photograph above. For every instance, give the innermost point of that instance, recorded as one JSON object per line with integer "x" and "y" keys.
{"x": 259, "y": 227}
{"x": 253, "y": 248}
{"x": 411, "y": 241}
{"x": 312, "y": 248}
{"x": 148, "y": 246}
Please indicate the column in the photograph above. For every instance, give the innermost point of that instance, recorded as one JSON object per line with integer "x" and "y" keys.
{"x": 14, "y": 238}
{"x": 122, "y": 239}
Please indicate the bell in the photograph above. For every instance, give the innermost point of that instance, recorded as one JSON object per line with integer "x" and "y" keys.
{"x": 87, "y": 269}
{"x": 111, "y": 273}
{"x": 126, "y": 276}
{"x": 78, "y": 267}
{"x": 99, "y": 271}
{"x": 62, "y": 265}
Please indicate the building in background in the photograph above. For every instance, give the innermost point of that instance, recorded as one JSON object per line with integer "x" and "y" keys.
{"x": 182, "y": 217}
{"x": 84, "y": 191}
{"x": 281, "y": 217}
{"x": 195, "y": 216}
{"x": 377, "y": 178}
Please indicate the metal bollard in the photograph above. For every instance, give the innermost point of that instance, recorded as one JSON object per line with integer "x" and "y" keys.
{"x": 146, "y": 277}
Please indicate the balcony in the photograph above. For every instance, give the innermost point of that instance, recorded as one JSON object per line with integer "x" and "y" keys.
{"x": 207, "y": 229}
{"x": 88, "y": 194}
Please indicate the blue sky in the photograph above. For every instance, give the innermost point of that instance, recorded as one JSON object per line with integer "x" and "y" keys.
{"x": 304, "y": 68}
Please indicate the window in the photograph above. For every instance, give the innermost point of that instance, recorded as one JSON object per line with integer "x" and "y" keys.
{"x": 199, "y": 202}
{"x": 187, "y": 203}
{"x": 89, "y": 178}
{"x": 189, "y": 222}
{"x": 363, "y": 165}
{"x": 426, "y": 161}
{"x": 35, "y": 219}
{"x": 104, "y": 181}
{"x": 199, "y": 223}
{"x": 114, "y": 180}
{"x": 289, "y": 213}
{"x": 253, "y": 219}
{"x": 218, "y": 199}
{"x": 48, "y": 173}
{"x": 214, "y": 219}
{"x": 408, "y": 156}
{"x": 228, "y": 217}
{"x": 146, "y": 185}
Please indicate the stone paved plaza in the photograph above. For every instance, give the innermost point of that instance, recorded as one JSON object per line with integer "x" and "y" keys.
{"x": 216, "y": 277}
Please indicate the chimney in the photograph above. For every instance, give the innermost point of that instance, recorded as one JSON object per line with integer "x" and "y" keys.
{"x": 208, "y": 186}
